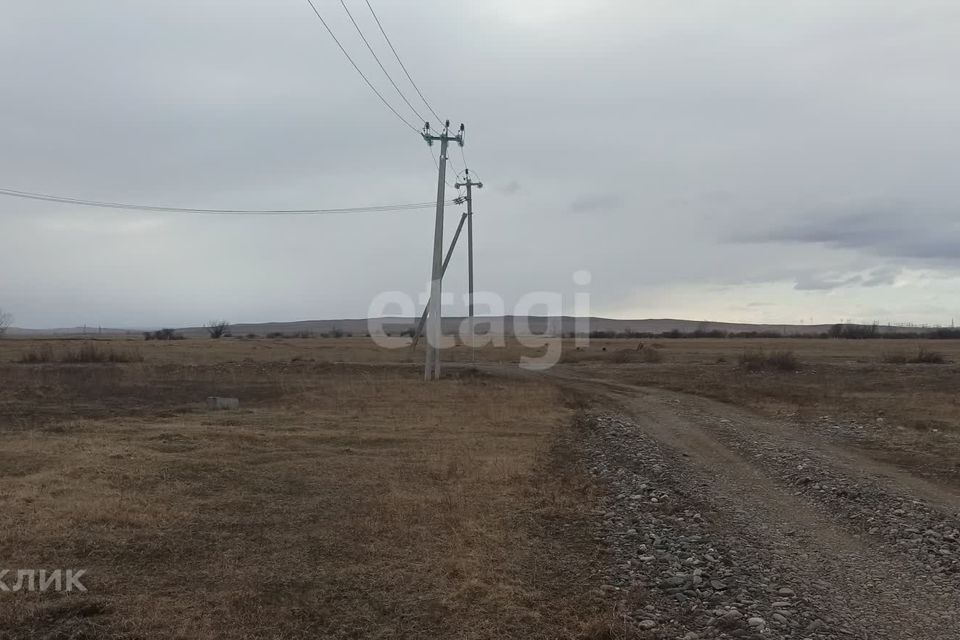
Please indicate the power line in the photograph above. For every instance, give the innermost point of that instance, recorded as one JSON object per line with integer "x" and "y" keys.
{"x": 402, "y": 66}
{"x": 377, "y": 58}
{"x": 365, "y": 79}
{"x": 453, "y": 165}
{"x": 436, "y": 163}
{"x": 13, "y": 193}
{"x": 463, "y": 157}
{"x": 466, "y": 165}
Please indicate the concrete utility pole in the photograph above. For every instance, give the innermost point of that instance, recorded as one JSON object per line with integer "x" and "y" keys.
{"x": 469, "y": 184}
{"x": 431, "y": 369}
{"x": 446, "y": 263}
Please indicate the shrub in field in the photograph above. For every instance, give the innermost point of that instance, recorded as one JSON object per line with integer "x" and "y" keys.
{"x": 37, "y": 355}
{"x": 759, "y": 360}
{"x": 162, "y": 334}
{"x": 91, "y": 352}
{"x": 218, "y": 329}
{"x": 894, "y": 357}
{"x": 5, "y": 320}
{"x": 623, "y": 356}
{"x": 783, "y": 361}
{"x": 753, "y": 360}
{"x": 926, "y": 356}
{"x": 651, "y": 356}
{"x": 86, "y": 353}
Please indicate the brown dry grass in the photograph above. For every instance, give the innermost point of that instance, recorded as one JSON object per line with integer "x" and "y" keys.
{"x": 906, "y": 412}
{"x": 354, "y": 501}
{"x": 341, "y": 501}
{"x": 204, "y": 351}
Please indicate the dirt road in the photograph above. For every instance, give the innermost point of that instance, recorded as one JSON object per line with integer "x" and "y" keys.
{"x": 720, "y": 523}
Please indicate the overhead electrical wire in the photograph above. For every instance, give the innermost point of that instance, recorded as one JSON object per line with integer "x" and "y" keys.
{"x": 14, "y": 193}
{"x": 457, "y": 170}
{"x": 160, "y": 209}
{"x": 377, "y": 58}
{"x": 466, "y": 166}
{"x": 373, "y": 88}
{"x": 436, "y": 163}
{"x": 402, "y": 66}
{"x": 365, "y": 79}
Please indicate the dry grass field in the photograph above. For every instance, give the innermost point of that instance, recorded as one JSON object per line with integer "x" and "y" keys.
{"x": 906, "y": 413}
{"x": 340, "y": 501}
{"x": 348, "y": 499}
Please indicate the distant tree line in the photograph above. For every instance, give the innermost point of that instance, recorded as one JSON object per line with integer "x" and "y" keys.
{"x": 839, "y": 331}
{"x": 162, "y": 334}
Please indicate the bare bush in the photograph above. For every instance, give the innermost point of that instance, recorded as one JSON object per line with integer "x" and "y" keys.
{"x": 86, "y": 353}
{"x": 217, "y": 328}
{"x": 5, "y": 321}
{"x": 759, "y": 360}
{"x": 162, "y": 334}
{"x": 91, "y": 352}
{"x": 37, "y": 355}
{"x": 927, "y": 356}
{"x": 651, "y": 356}
{"x": 894, "y": 357}
{"x": 923, "y": 356}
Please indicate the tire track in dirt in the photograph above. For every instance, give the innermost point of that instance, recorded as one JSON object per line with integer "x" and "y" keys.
{"x": 861, "y": 587}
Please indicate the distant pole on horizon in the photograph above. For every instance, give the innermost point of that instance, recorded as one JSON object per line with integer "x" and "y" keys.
{"x": 469, "y": 184}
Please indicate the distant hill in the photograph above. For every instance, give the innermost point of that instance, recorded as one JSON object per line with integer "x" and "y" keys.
{"x": 71, "y": 332}
{"x": 512, "y": 325}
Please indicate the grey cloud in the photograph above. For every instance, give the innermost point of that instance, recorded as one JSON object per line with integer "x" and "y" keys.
{"x": 595, "y": 202}
{"x": 694, "y": 114}
{"x": 818, "y": 283}
{"x": 884, "y": 276}
{"x": 892, "y": 229}
{"x": 511, "y": 188}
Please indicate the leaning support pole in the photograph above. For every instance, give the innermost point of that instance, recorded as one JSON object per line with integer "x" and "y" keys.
{"x": 443, "y": 272}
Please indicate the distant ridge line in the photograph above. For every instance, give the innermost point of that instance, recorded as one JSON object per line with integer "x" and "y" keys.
{"x": 396, "y": 324}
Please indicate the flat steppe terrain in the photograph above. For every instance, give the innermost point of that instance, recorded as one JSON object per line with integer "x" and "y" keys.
{"x": 657, "y": 491}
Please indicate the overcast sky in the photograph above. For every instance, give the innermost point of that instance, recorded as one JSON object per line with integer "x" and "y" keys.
{"x": 744, "y": 161}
